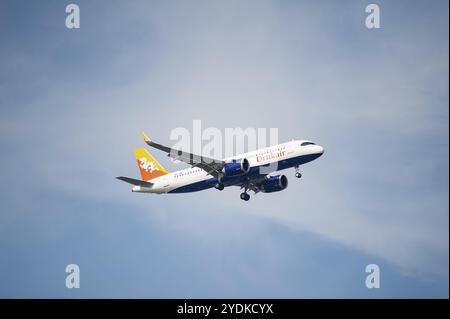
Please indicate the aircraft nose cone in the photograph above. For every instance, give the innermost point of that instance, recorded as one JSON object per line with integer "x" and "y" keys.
{"x": 320, "y": 150}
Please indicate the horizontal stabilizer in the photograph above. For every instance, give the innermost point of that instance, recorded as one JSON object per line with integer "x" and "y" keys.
{"x": 136, "y": 182}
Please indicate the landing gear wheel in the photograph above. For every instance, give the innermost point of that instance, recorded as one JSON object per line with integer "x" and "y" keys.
{"x": 297, "y": 172}
{"x": 245, "y": 196}
{"x": 219, "y": 186}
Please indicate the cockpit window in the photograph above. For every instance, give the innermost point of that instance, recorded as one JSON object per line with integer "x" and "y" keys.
{"x": 308, "y": 143}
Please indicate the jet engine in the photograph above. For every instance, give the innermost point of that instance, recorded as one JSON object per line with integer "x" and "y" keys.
{"x": 274, "y": 184}
{"x": 236, "y": 168}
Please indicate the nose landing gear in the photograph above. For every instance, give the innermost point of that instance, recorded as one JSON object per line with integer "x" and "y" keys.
{"x": 297, "y": 172}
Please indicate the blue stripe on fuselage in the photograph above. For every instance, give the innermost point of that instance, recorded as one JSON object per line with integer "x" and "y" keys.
{"x": 254, "y": 172}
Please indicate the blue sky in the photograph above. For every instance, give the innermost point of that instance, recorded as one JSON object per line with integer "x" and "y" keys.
{"x": 73, "y": 101}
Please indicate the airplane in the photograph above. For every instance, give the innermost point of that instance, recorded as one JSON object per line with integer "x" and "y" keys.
{"x": 251, "y": 171}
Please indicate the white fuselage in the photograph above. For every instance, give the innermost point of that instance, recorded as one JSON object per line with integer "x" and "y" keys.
{"x": 274, "y": 158}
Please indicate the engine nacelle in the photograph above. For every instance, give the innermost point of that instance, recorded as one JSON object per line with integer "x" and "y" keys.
{"x": 236, "y": 168}
{"x": 274, "y": 184}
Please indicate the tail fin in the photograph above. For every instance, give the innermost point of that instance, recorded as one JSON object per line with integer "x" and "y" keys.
{"x": 148, "y": 166}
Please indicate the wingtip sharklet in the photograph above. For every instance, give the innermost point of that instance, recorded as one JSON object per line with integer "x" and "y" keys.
{"x": 145, "y": 137}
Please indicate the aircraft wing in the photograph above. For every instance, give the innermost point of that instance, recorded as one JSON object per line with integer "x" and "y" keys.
{"x": 210, "y": 165}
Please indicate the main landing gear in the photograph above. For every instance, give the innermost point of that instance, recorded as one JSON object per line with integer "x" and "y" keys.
{"x": 245, "y": 196}
{"x": 297, "y": 172}
{"x": 219, "y": 186}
